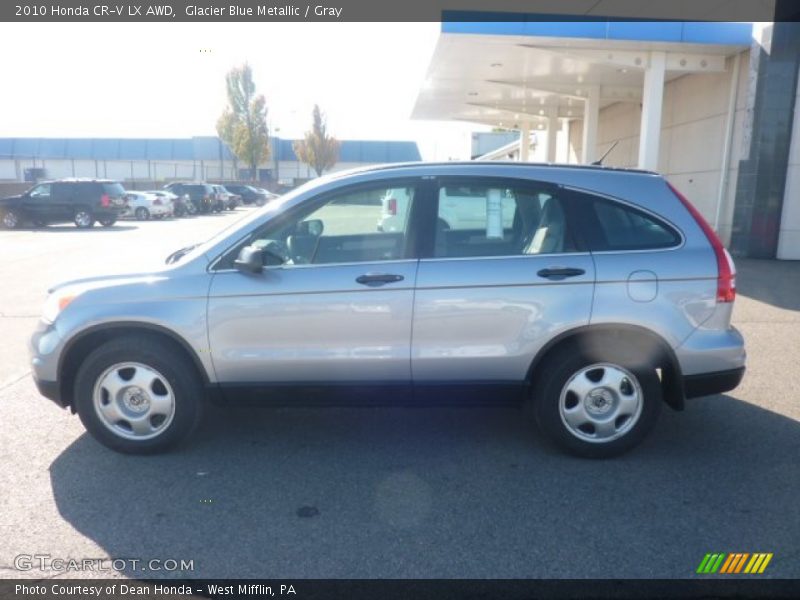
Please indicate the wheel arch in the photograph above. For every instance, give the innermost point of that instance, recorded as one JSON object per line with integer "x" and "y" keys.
{"x": 645, "y": 341}
{"x": 79, "y": 347}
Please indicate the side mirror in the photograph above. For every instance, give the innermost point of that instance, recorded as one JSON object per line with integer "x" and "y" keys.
{"x": 250, "y": 260}
{"x": 311, "y": 227}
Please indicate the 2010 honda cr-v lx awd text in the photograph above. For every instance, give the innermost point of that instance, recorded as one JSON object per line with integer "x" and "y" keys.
{"x": 601, "y": 295}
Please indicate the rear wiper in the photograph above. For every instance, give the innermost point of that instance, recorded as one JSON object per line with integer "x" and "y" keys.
{"x": 179, "y": 254}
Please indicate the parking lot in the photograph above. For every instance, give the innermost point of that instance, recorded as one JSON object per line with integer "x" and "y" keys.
{"x": 393, "y": 492}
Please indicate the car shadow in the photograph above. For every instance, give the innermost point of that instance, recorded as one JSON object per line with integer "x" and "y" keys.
{"x": 776, "y": 282}
{"x": 439, "y": 492}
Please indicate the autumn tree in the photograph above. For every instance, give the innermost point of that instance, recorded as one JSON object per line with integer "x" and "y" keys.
{"x": 243, "y": 124}
{"x": 318, "y": 149}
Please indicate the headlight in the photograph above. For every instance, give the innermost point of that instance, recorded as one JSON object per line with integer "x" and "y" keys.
{"x": 55, "y": 303}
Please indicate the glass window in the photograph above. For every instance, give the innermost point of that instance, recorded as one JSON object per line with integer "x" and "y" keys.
{"x": 41, "y": 191}
{"x": 477, "y": 220}
{"x": 358, "y": 226}
{"x": 619, "y": 227}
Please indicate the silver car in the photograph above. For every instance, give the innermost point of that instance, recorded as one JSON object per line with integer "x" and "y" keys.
{"x": 603, "y": 295}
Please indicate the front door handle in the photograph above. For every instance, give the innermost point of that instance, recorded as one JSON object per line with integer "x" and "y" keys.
{"x": 376, "y": 279}
{"x": 560, "y": 272}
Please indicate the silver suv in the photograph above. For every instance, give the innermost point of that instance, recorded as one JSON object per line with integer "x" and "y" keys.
{"x": 601, "y": 296}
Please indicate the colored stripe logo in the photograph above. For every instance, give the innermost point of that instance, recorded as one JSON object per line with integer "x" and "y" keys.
{"x": 734, "y": 562}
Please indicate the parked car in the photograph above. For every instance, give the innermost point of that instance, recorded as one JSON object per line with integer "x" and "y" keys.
{"x": 171, "y": 199}
{"x": 228, "y": 200}
{"x": 201, "y": 195}
{"x": 144, "y": 205}
{"x": 248, "y": 193}
{"x": 602, "y": 296}
{"x": 81, "y": 201}
{"x": 269, "y": 196}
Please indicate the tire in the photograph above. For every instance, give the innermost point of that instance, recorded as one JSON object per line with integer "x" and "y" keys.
{"x": 142, "y": 214}
{"x": 132, "y": 421}
{"x": 83, "y": 219}
{"x": 180, "y": 211}
{"x": 107, "y": 222}
{"x": 11, "y": 218}
{"x": 595, "y": 400}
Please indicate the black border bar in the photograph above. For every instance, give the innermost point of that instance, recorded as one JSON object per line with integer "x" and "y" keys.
{"x": 378, "y": 10}
{"x": 745, "y": 586}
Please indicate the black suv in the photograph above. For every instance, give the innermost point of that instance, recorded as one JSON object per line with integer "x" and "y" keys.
{"x": 82, "y": 201}
{"x": 202, "y": 195}
{"x": 248, "y": 193}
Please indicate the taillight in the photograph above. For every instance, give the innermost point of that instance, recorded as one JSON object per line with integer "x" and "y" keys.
{"x": 726, "y": 272}
{"x": 391, "y": 206}
{"x": 105, "y": 200}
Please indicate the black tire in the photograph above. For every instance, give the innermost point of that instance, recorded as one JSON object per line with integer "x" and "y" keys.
{"x": 107, "y": 222}
{"x": 558, "y": 369}
{"x": 11, "y": 218}
{"x": 180, "y": 211}
{"x": 83, "y": 219}
{"x": 165, "y": 358}
{"x": 142, "y": 214}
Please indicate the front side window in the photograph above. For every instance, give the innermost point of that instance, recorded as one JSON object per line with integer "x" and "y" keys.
{"x": 500, "y": 220}
{"x": 41, "y": 191}
{"x": 349, "y": 227}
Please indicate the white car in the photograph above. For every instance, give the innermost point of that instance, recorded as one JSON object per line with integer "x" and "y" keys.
{"x": 144, "y": 205}
{"x": 471, "y": 210}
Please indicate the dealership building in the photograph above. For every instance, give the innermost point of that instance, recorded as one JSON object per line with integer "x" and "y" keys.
{"x": 197, "y": 158}
{"x": 711, "y": 105}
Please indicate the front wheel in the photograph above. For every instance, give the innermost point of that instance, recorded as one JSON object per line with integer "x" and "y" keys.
{"x": 142, "y": 214}
{"x": 596, "y": 404}
{"x": 11, "y": 219}
{"x": 83, "y": 219}
{"x": 138, "y": 395}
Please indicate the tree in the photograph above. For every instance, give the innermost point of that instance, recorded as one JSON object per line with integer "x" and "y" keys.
{"x": 243, "y": 123}
{"x": 318, "y": 149}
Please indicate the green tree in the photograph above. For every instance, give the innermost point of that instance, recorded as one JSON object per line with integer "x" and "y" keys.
{"x": 243, "y": 123}
{"x": 318, "y": 149}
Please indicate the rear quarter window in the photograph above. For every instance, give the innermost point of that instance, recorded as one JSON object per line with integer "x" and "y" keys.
{"x": 613, "y": 226}
{"x": 114, "y": 190}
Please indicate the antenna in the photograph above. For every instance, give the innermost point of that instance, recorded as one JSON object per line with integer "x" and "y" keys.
{"x": 599, "y": 161}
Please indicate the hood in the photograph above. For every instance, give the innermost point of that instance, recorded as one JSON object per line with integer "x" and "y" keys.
{"x": 107, "y": 280}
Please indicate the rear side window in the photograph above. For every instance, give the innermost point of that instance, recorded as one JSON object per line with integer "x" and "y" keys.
{"x": 613, "y": 226}
{"x": 115, "y": 190}
{"x": 501, "y": 219}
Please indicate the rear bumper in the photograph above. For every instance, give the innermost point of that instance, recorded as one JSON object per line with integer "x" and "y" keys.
{"x": 707, "y": 384}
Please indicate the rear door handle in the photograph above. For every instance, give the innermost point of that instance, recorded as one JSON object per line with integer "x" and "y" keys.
{"x": 376, "y": 279}
{"x": 560, "y": 272}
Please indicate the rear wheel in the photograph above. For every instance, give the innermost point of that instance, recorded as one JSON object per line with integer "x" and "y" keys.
{"x": 596, "y": 402}
{"x": 11, "y": 218}
{"x": 138, "y": 395}
{"x": 142, "y": 214}
{"x": 83, "y": 219}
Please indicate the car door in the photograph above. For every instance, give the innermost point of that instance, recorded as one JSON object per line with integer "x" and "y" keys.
{"x": 489, "y": 297}
{"x": 37, "y": 203}
{"x": 336, "y": 310}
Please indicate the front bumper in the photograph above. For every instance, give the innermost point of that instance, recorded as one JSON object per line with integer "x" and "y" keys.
{"x": 708, "y": 384}
{"x": 50, "y": 390}
{"x": 44, "y": 348}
